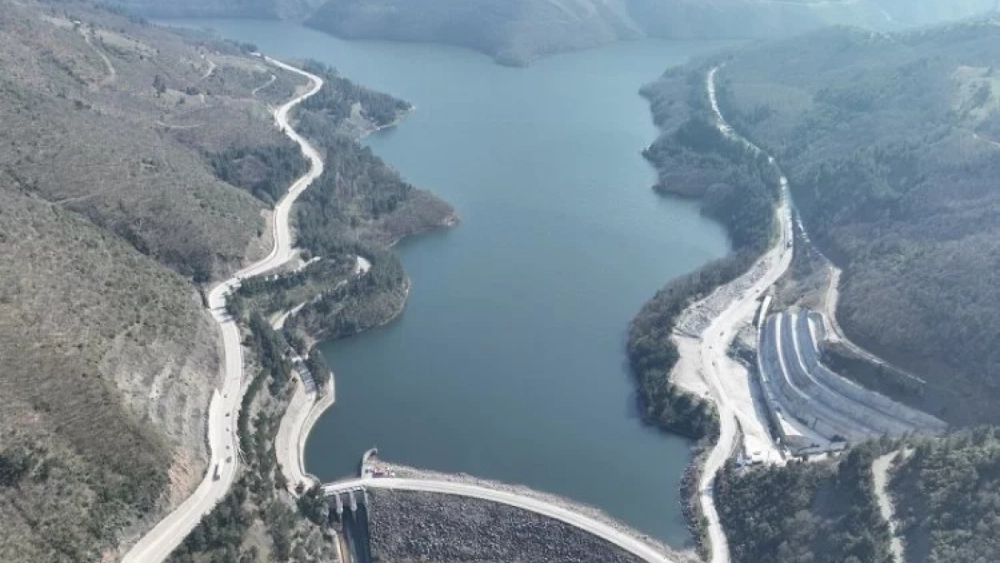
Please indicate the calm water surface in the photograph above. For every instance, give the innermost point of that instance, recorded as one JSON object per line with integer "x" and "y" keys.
{"x": 509, "y": 360}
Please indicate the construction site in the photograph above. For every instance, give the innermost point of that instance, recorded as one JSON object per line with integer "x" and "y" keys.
{"x": 811, "y": 409}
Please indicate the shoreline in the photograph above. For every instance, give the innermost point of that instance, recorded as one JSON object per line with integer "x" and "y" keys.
{"x": 367, "y": 131}
{"x": 301, "y": 413}
{"x": 302, "y": 425}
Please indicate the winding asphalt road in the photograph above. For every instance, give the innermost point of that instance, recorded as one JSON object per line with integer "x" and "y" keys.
{"x": 607, "y": 532}
{"x": 716, "y": 338}
{"x": 223, "y": 410}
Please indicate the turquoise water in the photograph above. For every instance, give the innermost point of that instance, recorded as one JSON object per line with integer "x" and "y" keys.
{"x": 509, "y": 361}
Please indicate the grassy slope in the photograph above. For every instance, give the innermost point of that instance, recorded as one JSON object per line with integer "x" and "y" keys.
{"x": 887, "y": 141}
{"x": 107, "y": 203}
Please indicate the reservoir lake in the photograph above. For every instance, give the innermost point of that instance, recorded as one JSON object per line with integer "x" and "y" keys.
{"x": 509, "y": 361}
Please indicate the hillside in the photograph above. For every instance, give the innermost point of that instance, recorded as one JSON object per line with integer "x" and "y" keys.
{"x": 512, "y": 31}
{"x": 890, "y": 143}
{"x": 733, "y": 185}
{"x": 105, "y": 92}
{"x": 820, "y": 512}
{"x": 78, "y": 379}
{"x": 518, "y": 31}
{"x": 295, "y": 10}
{"x": 358, "y": 207}
{"x": 109, "y": 210}
{"x": 767, "y": 19}
{"x": 943, "y": 493}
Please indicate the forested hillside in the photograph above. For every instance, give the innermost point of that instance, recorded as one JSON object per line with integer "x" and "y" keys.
{"x": 295, "y": 10}
{"x": 944, "y": 493}
{"x": 947, "y": 498}
{"x": 110, "y": 214}
{"x": 890, "y": 143}
{"x": 767, "y": 19}
{"x": 822, "y": 512}
{"x": 357, "y": 207}
{"x": 518, "y": 31}
{"x": 515, "y": 32}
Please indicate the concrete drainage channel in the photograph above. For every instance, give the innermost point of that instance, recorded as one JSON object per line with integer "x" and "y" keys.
{"x": 813, "y": 408}
{"x": 349, "y": 516}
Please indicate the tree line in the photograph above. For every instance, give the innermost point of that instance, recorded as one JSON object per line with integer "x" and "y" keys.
{"x": 947, "y": 498}
{"x": 339, "y": 97}
{"x": 264, "y": 171}
{"x": 804, "y": 512}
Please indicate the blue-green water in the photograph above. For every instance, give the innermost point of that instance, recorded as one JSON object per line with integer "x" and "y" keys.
{"x": 509, "y": 361}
